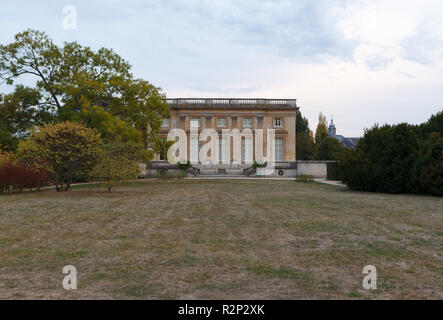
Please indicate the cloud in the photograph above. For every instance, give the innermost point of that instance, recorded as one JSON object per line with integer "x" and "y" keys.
{"x": 304, "y": 29}
{"x": 363, "y": 61}
{"x": 393, "y": 30}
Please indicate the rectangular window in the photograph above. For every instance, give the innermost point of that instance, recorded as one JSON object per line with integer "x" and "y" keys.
{"x": 166, "y": 123}
{"x": 278, "y": 123}
{"x": 221, "y": 122}
{"x": 279, "y": 149}
{"x": 223, "y": 150}
{"x": 260, "y": 122}
{"x": 195, "y": 123}
{"x": 195, "y": 147}
{"x": 247, "y": 122}
{"x": 247, "y": 150}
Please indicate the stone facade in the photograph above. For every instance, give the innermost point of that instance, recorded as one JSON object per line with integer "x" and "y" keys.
{"x": 219, "y": 114}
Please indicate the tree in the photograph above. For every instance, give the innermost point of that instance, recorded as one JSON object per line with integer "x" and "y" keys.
{"x": 18, "y": 115}
{"x": 161, "y": 146}
{"x": 400, "y": 159}
{"x": 119, "y": 162}
{"x": 304, "y": 138}
{"x": 16, "y": 175}
{"x": 383, "y": 160}
{"x": 328, "y": 149}
{"x": 302, "y": 124}
{"x": 434, "y": 124}
{"x": 305, "y": 146}
{"x": 429, "y": 166}
{"x": 64, "y": 147}
{"x": 322, "y": 128}
{"x": 78, "y": 84}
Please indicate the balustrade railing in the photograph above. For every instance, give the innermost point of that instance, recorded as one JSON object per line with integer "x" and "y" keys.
{"x": 234, "y": 101}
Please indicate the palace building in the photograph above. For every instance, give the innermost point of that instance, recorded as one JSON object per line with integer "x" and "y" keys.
{"x": 348, "y": 142}
{"x": 241, "y": 114}
{"x": 220, "y": 115}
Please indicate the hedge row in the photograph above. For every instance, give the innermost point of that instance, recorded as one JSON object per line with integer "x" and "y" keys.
{"x": 19, "y": 176}
{"x": 398, "y": 159}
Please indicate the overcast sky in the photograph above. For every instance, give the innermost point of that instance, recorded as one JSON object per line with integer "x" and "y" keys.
{"x": 364, "y": 62}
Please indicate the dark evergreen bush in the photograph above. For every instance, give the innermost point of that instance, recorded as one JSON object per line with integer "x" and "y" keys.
{"x": 399, "y": 159}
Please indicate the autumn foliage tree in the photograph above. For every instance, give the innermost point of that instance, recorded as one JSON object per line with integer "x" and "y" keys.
{"x": 75, "y": 83}
{"x": 322, "y": 129}
{"x": 64, "y": 147}
{"x": 118, "y": 162}
{"x": 16, "y": 175}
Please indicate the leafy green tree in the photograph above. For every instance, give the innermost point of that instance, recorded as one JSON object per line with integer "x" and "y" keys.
{"x": 111, "y": 128}
{"x": 304, "y": 138}
{"x": 78, "y": 84}
{"x": 383, "y": 160}
{"x": 400, "y": 159}
{"x": 328, "y": 149}
{"x": 18, "y": 115}
{"x": 429, "y": 166}
{"x": 64, "y": 148}
{"x": 161, "y": 146}
{"x": 305, "y": 146}
{"x": 434, "y": 124}
{"x": 322, "y": 129}
{"x": 119, "y": 162}
{"x": 302, "y": 124}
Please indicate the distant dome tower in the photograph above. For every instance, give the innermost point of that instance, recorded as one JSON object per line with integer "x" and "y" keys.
{"x": 331, "y": 129}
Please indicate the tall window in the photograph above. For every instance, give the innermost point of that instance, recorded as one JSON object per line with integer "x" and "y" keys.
{"x": 279, "y": 149}
{"x": 223, "y": 150}
{"x": 247, "y": 150}
{"x": 195, "y": 147}
{"x": 195, "y": 123}
{"x": 166, "y": 123}
{"x": 247, "y": 122}
{"x": 221, "y": 122}
{"x": 278, "y": 123}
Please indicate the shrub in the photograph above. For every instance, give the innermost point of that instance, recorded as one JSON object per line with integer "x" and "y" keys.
{"x": 16, "y": 176}
{"x": 118, "y": 162}
{"x": 397, "y": 159}
{"x": 171, "y": 174}
{"x": 256, "y": 165}
{"x": 429, "y": 168}
{"x": 329, "y": 149}
{"x": 184, "y": 166}
{"x": 304, "y": 178}
{"x": 383, "y": 160}
{"x": 65, "y": 147}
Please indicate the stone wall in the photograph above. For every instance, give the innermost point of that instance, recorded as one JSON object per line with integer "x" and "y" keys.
{"x": 318, "y": 169}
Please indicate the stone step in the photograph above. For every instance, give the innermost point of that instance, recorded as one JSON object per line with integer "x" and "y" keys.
{"x": 220, "y": 174}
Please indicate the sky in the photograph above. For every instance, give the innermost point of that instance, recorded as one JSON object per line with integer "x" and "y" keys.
{"x": 362, "y": 62}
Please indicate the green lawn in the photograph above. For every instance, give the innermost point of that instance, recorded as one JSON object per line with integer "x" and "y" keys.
{"x": 203, "y": 239}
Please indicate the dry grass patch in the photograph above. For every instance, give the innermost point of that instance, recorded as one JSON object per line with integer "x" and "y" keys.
{"x": 239, "y": 239}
